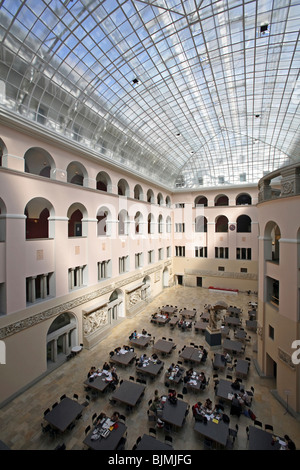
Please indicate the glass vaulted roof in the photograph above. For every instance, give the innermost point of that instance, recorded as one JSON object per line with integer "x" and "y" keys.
{"x": 187, "y": 93}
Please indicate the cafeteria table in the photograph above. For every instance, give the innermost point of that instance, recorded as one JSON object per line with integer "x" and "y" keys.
{"x": 150, "y": 368}
{"x": 148, "y": 442}
{"x": 214, "y": 429}
{"x": 129, "y": 393}
{"x": 98, "y": 383}
{"x": 64, "y": 413}
{"x": 259, "y": 439}
{"x": 233, "y": 346}
{"x": 105, "y": 443}
{"x": 123, "y": 359}
{"x": 141, "y": 341}
{"x": 200, "y": 325}
{"x": 242, "y": 368}
{"x": 174, "y": 414}
{"x": 163, "y": 346}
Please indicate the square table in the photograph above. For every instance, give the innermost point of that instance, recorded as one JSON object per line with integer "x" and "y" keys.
{"x": 106, "y": 443}
{"x": 259, "y": 439}
{"x": 64, "y": 413}
{"x": 232, "y": 321}
{"x": 175, "y": 377}
{"x": 225, "y": 390}
{"x": 98, "y": 383}
{"x": 169, "y": 310}
{"x": 219, "y": 363}
{"x": 217, "y": 432}
{"x": 148, "y": 442}
{"x": 234, "y": 346}
{"x": 123, "y": 359}
{"x": 200, "y": 325}
{"x": 141, "y": 341}
{"x": 174, "y": 414}
{"x": 163, "y": 346}
{"x": 205, "y": 316}
{"x": 251, "y": 325}
{"x": 129, "y": 392}
{"x": 186, "y": 353}
{"x": 160, "y": 319}
{"x": 188, "y": 313}
{"x": 174, "y": 320}
{"x": 150, "y": 368}
{"x": 234, "y": 310}
{"x": 242, "y": 368}
{"x": 240, "y": 335}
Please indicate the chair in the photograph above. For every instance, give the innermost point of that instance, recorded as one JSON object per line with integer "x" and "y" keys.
{"x": 75, "y": 396}
{"x": 87, "y": 429}
{"x": 152, "y": 432}
{"x": 257, "y": 423}
{"x": 229, "y": 377}
{"x": 122, "y": 418}
{"x": 46, "y": 411}
{"x": 168, "y": 439}
{"x": 94, "y": 418}
{"x": 87, "y": 401}
{"x": 131, "y": 378}
{"x": 63, "y": 396}
{"x": 121, "y": 445}
{"x": 268, "y": 427}
{"x": 179, "y": 395}
{"x": 45, "y": 429}
{"x": 60, "y": 446}
{"x": 151, "y": 416}
{"x": 54, "y": 404}
{"x": 208, "y": 443}
{"x": 247, "y": 432}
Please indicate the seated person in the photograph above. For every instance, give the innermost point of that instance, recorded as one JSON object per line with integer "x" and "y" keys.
{"x": 208, "y": 405}
{"x": 156, "y": 405}
{"x": 228, "y": 358}
{"x": 236, "y": 384}
{"x": 202, "y": 380}
{"x": 236, "y": 407}
{"x": 92, "y": 371}
{"x": 106, "y": 366}
{"x": 115, "y": 416}
{"x": 197, "y": 409}
{"x": 117, "y": 350}
{"x": 172, "y": 396}
{"x": 144, "y": 332}
{"x": 154, "y": 357}
{"x": 142, "y": 359}
{"x": 100, "y": 418}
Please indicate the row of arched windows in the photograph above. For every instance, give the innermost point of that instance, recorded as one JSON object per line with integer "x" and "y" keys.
{"x": 39, "y": 161}
{"x": 39, "y": 213}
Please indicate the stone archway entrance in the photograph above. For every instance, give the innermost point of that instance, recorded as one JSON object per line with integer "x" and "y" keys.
{"x": 61, "y": 337}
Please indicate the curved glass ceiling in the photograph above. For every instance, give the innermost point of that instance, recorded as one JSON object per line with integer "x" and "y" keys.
{"x": 186, "y": 93}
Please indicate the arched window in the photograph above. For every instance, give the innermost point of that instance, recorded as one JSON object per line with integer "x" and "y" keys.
{"x": 221, "y": 224}
{"x": 150, "y": 196}
{"x": 138, "y": 219}
{"x": 243, "y": 224}
{"x": 271, "y": 245}
{"x": 37, "y": 212}
{"x": 168, "y": 224}
{"x": 103, "y": 182}
{"x": 103, "y": 215}
{"x": 221, "y": 200}
{"x": 38, "y": 162}
{"x": 160, "y": 199}
{"x": 123, "y": 188}
{"x": 243, "y": 199}
{"x": 76, "y": 173}
{"x": 168, "y": 201}
{"x": 201, "y": 201}
{"x": 76, "y": 227}
{"x": 138, "y": 192}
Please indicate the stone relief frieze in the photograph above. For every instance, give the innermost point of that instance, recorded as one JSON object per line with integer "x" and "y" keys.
{"x": 286, "y": 358}
{"x": 95, "y": 320}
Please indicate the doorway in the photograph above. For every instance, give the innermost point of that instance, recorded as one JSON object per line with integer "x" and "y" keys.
{"x": 199, "y": 281}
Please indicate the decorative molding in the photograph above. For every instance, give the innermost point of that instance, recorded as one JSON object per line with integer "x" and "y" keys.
{"x": 286, "y": 358}
{"x": 18, "y": 326}
{"x": 234, "y": 275}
